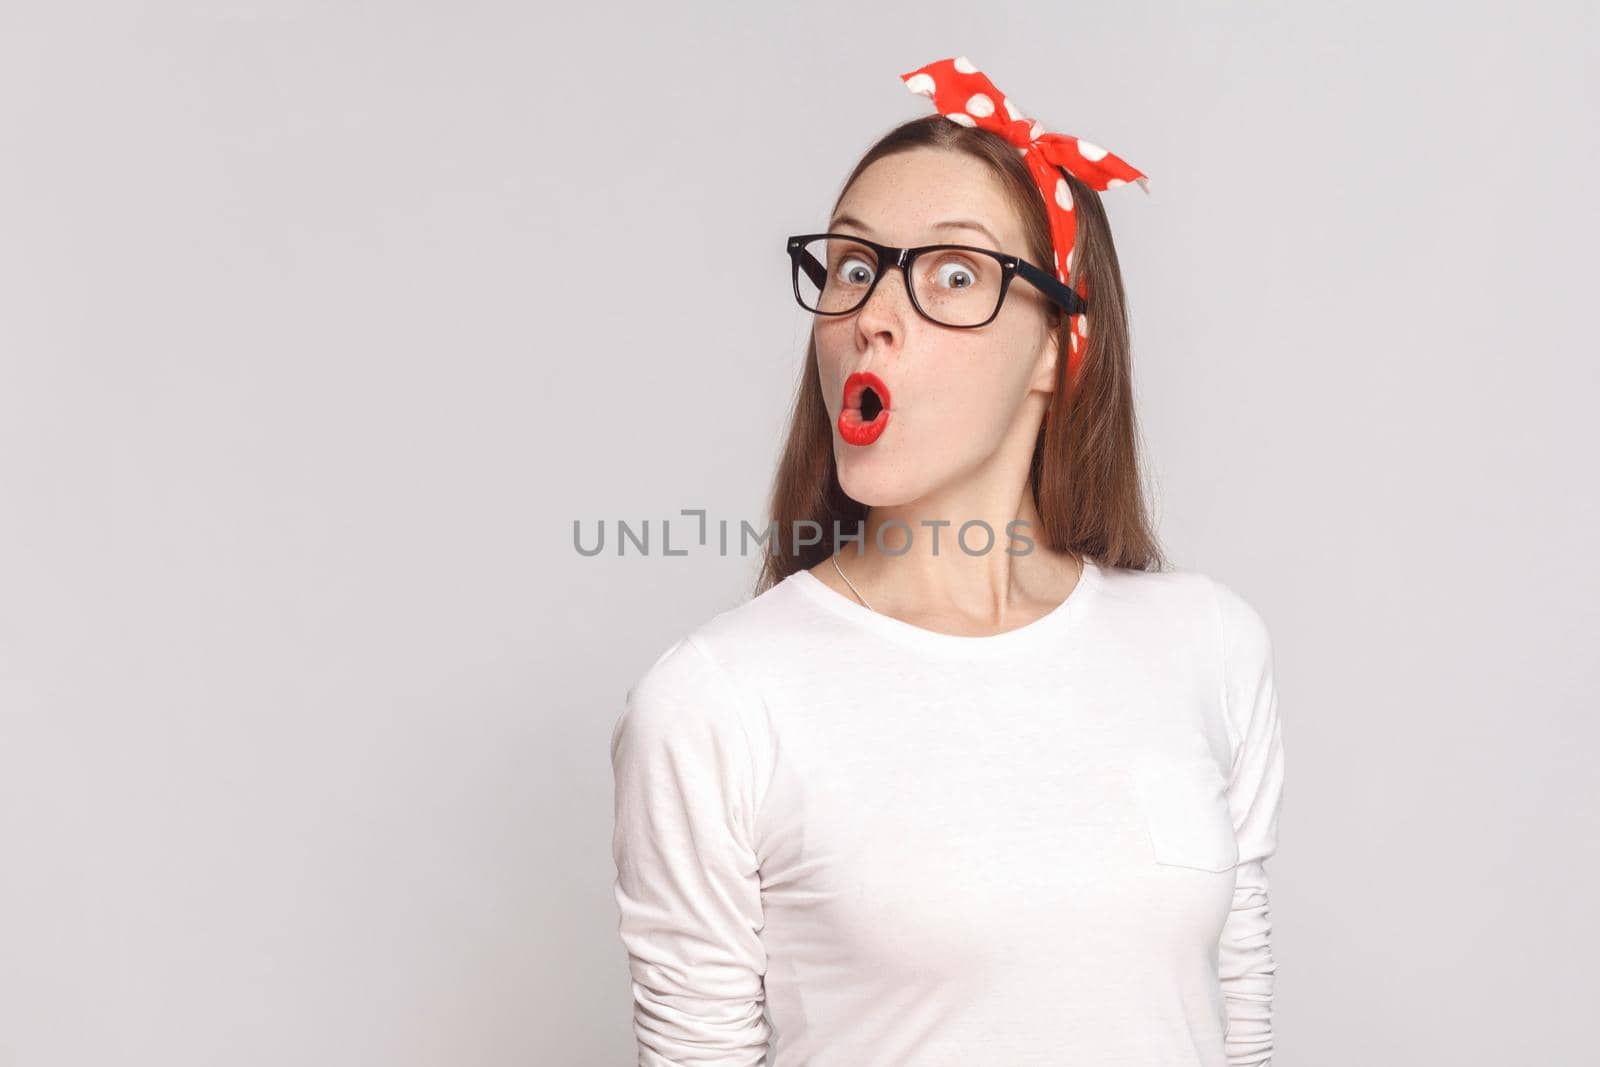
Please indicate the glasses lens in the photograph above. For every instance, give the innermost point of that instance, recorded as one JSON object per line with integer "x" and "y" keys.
{"x": 957, "y": 287}
{"x": 953, "y": 287}
{"x": 832, "y": 274}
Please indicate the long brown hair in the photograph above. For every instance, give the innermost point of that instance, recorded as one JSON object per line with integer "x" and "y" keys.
{"x": 1085, "y": 474}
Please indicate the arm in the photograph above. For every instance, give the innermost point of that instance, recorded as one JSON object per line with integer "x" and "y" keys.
{"x": 1245, "y": 964}
{"x": 687, "y": 888}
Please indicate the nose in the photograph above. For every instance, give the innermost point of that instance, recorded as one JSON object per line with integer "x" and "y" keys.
{"x": 886, "y": 310}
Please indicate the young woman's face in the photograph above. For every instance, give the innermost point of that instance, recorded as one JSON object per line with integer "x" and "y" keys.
{"x": 958, "y": 398}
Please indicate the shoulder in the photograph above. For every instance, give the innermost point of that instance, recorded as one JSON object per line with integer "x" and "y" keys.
{"x": 681, "y": 671}
{"x": 1193, "y": 614}
{"x": 1176, "y": 605}
{"x": 1190, "y": 594}
{"x": 681, "y": 720}
{"x": 709, "y": 648}
{"x": 700, "y": 679}
{"x": 769, "y": 640}
{"x": 1242, "y": 631}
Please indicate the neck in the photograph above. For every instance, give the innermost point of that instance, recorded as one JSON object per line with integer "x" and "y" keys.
{"x": 993, "y": 582}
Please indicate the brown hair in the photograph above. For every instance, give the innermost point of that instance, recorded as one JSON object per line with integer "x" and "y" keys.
{"x": 1085, "y": 474}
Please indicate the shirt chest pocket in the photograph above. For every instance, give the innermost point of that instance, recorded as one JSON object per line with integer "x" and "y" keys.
{"x": 1184, "y": 802}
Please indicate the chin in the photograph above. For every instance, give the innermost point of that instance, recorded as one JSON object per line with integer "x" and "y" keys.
{"x": 874, "y": 478}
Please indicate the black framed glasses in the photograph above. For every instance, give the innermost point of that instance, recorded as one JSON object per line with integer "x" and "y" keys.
{"x": 960, "y": 286}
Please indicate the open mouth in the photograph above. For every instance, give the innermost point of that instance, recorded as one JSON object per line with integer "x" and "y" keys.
{"x": 865, "y": 412}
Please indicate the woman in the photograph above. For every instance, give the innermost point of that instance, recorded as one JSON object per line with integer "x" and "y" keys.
{"x": 927, "y": 799}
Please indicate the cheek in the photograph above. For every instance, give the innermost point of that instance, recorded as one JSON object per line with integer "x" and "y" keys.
{"x": 962, "y": 400}
{"x": 971, "y": 389}
{"x": 834, "y": 362}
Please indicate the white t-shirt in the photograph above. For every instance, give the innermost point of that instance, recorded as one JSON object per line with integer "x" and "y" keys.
{"x": 866, "y": 843}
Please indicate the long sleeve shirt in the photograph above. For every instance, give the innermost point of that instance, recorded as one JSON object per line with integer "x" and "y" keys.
{"x": 843, "y": 839}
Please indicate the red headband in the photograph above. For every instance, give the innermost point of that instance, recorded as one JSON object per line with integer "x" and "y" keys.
{"x": 962, "y": 94}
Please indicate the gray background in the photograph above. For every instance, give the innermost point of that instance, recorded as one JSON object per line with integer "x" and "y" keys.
{"x": 321, "y": 324}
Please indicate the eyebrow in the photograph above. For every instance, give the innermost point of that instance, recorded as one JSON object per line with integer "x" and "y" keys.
{"x": 947, "y": 224}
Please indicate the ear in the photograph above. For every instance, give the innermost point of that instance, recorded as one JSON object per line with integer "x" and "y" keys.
{"x": 1046, "y": 368}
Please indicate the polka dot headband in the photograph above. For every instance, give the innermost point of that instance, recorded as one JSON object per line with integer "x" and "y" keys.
{"x": 962, "y": 94}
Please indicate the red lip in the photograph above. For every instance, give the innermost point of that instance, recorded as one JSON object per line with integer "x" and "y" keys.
{"x": 852, "y": 426}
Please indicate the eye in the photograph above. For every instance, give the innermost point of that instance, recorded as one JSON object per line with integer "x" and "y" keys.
{"x": 955, "y": 274}
{"x": 854, "y": 270}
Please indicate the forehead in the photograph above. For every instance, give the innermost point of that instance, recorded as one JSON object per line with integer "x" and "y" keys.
{"x": 902, "y": 196}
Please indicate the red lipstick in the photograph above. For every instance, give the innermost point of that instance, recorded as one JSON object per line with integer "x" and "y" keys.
{"x": 865, "y": 412}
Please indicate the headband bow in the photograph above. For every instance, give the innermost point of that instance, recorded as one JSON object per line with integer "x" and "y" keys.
{"x": 962, "y": 94}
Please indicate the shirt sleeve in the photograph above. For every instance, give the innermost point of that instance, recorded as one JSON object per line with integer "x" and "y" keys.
{"x": 1245, "y": 963}
{"x": 688, "y": 885}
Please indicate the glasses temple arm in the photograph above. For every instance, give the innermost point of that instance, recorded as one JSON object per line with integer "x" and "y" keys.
{"x": 1065, "y": 296}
